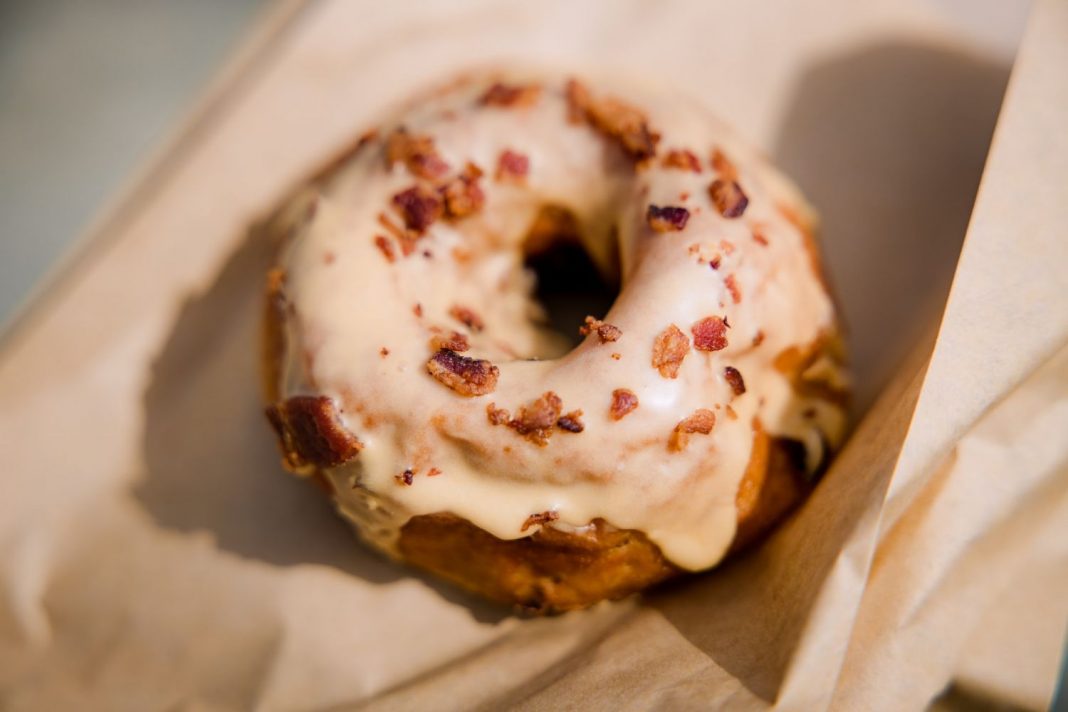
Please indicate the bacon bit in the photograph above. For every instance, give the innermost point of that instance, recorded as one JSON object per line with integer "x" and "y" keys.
{"x": 453, "y": 341}
{"x": 466, "y": 376}
{"x": 684, "y": 196}
{"x": 536, "y": 420}
{"x": 730, "y": 412}
{"x": 395, "y": 230}
{"x": 758, "y": 238}
{"x": 715, "y": 262}
{"x": 667, "y": 219}
{"x": 723, "y": 166}
{"x": 365, "y": 138}
{"x": 605, "y": 332}
{"x": 419, "y": 206}
{"x": 467, "y": 317}
{"x": 510, "y": 95}
{"x": 682, "y": 159}
{"x": 702, "y": 421}
{"x": 734, "y": 379}
{"x": 383, "y": 352}
{"x": 728, "y": 198}
{"x": 512, "y": 166}
{"x": 417, "y": 309}
{"x": 669, "y": 349}
{"x": 415, "y": 152}
{"x": 433, "y": 472}
{"x": 578, "y": 98}
{"x": 405, "y": 478}
{"x": 616, "y": 357}
{"x": 615, "y": 119}
{"x": 497, "y": 416}
{"x": 407, "y": 241}
{"x": 386, "y": 247}
{"x": 571, "y": 422}
{"x": 463, "y": 195}
{"x": 310, "y": 432}
{"x": 329, "y": 257}
{"x": 710, "y": 334}
{"x": 276, "y": 282}
{"x": 758, "y": 338}
{"x": 541, "y": 518}
{"x": 626, "y": 124}
{"x": 623, "y": 402}
{"x": 732, "y": 287}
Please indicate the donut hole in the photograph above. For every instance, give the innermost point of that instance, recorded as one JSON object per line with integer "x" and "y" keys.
{"x": 569, "y": 285}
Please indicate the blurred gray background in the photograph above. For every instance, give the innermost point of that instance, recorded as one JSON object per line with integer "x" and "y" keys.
{"x": 87, "y": 91}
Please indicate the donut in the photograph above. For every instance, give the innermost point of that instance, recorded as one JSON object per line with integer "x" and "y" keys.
{"x": 411, "y": 371}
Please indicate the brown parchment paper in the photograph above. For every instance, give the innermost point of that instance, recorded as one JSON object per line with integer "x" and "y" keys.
{"x": 154, "y": 556}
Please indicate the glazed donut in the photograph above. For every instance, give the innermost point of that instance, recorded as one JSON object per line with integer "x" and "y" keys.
{"x": 411, "y": 371}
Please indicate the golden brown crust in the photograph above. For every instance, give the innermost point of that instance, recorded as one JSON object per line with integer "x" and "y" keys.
{"x": 548, "y": 572}
{"x": 554, "y": 571}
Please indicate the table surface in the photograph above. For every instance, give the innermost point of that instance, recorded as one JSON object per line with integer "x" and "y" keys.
{"x": 87, "y": 90}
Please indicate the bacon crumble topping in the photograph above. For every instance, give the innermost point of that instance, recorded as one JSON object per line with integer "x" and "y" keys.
{"x": 732, "y": 287}
{"x": 728, "y": 198}
{"x": 606, "y": 332}
{"x": 463, "y": 195}
{"x": 310, "y": 432}
{"x": 419, "y": 206}
{"x": 734, "y": 380}
{"x": 417, "y": 309}
{"x": 571, "y": 422}
{"x": 403, "y": 237}
{"x": 510, "y": 95}
{"x": 540, "y": 518}
{"x": 405, "y": 478}
{"x": 723, "y": 165}
{"x": 467, "y": 376}
{"x": 758, "y": 338}
{"x": 467, "y": 317}
{"x": 383, "y": 352}
{"x": 701, "y": 421}
{"x": 415, "y": 152}
{"x": 710, "y": 334}
{"x": 453, "y": 341}
{"x": 386, "y": 247}
{"x": 535, "y": 420}
{"x": 758, "y": 238}
{"x": 497, "y": 416}
{"x": 669, "y": 349}
{"x": 619, "y": 121}
{"x": 669, "y": 218}
{"x": 682, "y": 159}
{"x": 624, "y": 401}
{"x": 433, "y": 472}
{"x": 578, "y": 98}
{"x": 512, "y": 166}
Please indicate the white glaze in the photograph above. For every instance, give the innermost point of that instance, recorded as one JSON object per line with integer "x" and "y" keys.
{"x": 346, "y": 310}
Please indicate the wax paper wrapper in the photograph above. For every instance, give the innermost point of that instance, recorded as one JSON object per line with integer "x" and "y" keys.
{"x": 154, "y": 556}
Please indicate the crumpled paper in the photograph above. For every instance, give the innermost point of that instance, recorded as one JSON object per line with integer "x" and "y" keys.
{"x": 154, "y": 556}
